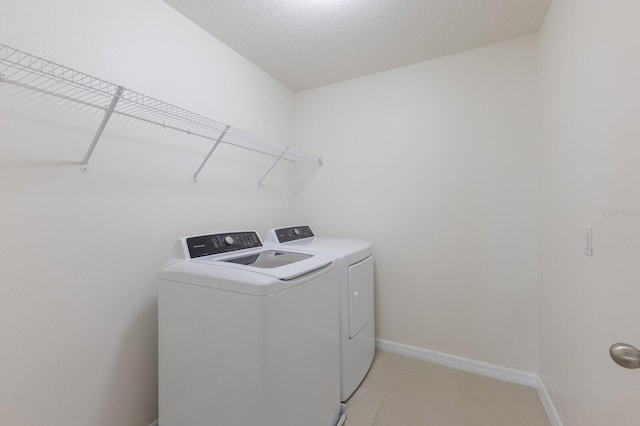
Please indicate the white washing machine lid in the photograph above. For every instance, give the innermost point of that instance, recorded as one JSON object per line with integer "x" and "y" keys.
{"x": 278, "y": 264}
{"x": 242, "y": 266}
{"x": 344, "y": 250}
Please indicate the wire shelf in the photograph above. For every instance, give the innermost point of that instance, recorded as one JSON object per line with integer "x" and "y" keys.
{"x": 25, "y": 70}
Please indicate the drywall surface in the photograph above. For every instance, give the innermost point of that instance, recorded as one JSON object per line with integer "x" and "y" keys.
{"x": 589, "y": 175}
{"x": 80, "y": 252}
{"x": 435, "y": 163}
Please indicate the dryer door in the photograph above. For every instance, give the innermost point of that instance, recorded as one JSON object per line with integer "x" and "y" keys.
{"x": 360, "y": 295}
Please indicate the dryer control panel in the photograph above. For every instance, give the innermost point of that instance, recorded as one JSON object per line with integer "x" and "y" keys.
{"x": 293, "y": 233}
{"x": 206, "y": 245}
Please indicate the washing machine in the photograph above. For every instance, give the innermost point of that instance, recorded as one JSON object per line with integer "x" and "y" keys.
{"x": 248, "y": 335}
{"x": 354, "y": 259}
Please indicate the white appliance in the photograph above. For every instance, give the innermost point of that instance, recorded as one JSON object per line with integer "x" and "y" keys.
{"x": 354, "y": 259}
{"x": 248, "y": 336}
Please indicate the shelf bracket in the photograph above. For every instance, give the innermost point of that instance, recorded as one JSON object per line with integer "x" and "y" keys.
{"x": 213, "y": 148}
{"x": 272, "y": 166}
{"x": 84, "y": 166}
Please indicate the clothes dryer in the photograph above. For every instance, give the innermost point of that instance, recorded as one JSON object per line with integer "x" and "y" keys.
{"x": 354, "y": 260}
{"x": 248, "y": 336}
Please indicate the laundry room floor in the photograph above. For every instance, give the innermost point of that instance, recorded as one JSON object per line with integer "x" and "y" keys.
{"x": 402, "y": 391}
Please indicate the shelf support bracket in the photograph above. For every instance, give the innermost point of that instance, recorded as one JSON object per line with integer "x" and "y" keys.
{"x": 272, "y": 166}
{"x": 84, "y": 166}
{"x": 213, "y": 148}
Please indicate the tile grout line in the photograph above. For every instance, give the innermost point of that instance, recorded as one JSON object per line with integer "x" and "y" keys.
{"x": 384, "y": 394}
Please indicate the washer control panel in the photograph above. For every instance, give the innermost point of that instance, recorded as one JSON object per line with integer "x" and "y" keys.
{"x": 206, "y": 245}
{"x": 293, "y": 233}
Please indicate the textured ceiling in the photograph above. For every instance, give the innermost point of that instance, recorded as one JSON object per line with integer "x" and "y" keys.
{"x": 311, "y": 43}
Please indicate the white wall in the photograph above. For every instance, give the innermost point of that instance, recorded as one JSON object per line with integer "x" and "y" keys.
{"x": 590, "y": 64}
{"x": 435, "y": 163}
{"x": 80, "y": 252}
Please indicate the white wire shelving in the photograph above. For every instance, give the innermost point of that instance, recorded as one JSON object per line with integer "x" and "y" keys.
{"x": 31, "y": 72}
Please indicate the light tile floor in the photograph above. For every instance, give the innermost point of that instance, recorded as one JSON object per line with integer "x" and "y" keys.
{"x": 401, "y": 391}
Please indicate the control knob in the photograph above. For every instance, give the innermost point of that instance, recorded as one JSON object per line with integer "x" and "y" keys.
{"x": 228, "y": 239}
{"x": 296, "y": 231}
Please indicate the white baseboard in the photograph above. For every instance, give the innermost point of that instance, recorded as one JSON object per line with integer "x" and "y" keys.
{"x": 554, "y": 418}
{"x": 477, "y": 367}
{"x": 465, "y": 364}
{"x": 154, "y": 423}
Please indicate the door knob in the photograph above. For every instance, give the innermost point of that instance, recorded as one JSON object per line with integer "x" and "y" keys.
{"x": 625, "y": 355}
